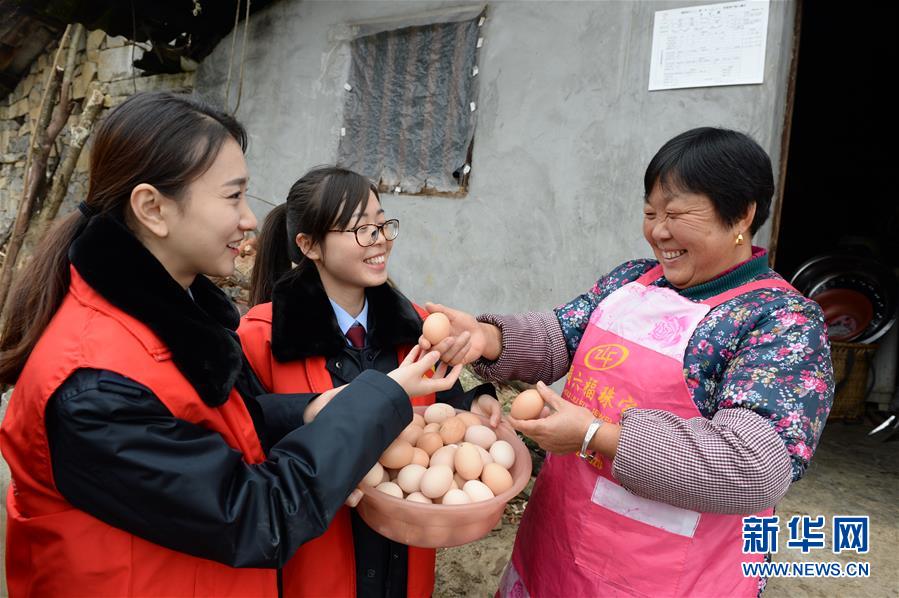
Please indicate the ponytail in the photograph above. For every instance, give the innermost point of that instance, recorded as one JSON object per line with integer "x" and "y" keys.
{"x": 36, "y": 295}
{"x": 272, "y": 258}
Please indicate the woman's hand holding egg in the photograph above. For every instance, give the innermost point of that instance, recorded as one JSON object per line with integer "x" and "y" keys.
{"x": 467, "y": 339}
{"x": 562, "y": 431}
{"x": 411, "y": 374}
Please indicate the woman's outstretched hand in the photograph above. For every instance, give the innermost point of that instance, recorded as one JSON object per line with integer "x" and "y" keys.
{"x": 411, "y": 373}
{"x": 468, "y": 339}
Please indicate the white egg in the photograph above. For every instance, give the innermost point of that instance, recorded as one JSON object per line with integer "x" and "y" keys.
{"x": 486, "y": 457}
{"x": 419, "y": 497}
{"x": 374, "y": 476}
{"x": 438, "y": 413}
{"x": 480, "y": 435}
{"x": 436, "y": 481}
{"x": 503, "y": 453}
{"x": 391, "y": 489}
{"x": 477, "y": 490}
{"x": 456, "y": 497}
{"x": 444, "y": 456}
{"x": 409, "y": 477}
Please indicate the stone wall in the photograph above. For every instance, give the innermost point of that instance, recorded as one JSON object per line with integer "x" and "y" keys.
{"x": 103, "y": 62}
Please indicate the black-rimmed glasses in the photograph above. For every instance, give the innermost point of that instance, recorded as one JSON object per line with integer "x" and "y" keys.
{"x": 367, "y": 234}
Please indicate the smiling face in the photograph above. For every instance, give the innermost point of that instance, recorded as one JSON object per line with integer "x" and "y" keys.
{"x": 688, "y": 237}
{"x": 206, "y": 227}
{"x": 346, "y": 268}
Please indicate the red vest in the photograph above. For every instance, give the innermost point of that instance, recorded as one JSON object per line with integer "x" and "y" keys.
{"x": 325, "y": 566}
{"x": 54, "y": 549}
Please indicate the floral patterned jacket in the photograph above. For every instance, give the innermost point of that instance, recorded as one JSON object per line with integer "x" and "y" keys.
{"x": 766, "y": 351}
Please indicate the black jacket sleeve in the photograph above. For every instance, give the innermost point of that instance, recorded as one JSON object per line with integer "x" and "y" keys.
{"x": 460, "y": 399}
{"x": 278, "y": 415}
{"x": 120, "y": 455}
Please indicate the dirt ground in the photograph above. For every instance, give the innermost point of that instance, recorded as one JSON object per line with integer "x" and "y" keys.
{"x": 851, "y": 474}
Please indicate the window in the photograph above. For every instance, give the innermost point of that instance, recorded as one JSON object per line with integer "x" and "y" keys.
{"x": 411, "y": 102}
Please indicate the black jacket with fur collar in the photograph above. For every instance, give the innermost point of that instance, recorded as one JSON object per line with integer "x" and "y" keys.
{"x": 120, "y": 455}
{"x": 304, "y": 325}
{"x": 303, "y": 321}
{"x": 198, "y": 328}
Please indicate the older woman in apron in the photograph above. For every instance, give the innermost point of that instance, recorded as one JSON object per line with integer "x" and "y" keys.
{"x": 698, "y": 386}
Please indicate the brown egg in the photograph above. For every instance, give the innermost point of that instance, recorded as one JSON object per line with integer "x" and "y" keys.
{"x": 435, "y": 427}
{"x": 468, "y": 461}
{"x": 429, "y": 442}
{"x": 497, "y": 478}
{"x": 435, "y": 328}
{"x": 411, "y": 433}
{"x": 438, "y": 413}
{"x": 397, "y": 455}
{"x": 459, "y": 480}
{"x": 480, "y": 435}
{"x": 527, "y": 405}
{"x": 452, "y": 430}
{"x": 469, "y": 418}
{"x": 420, "y": 457}
{"x": 418, "y": 420}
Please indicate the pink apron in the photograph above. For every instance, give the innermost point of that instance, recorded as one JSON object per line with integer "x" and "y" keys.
{"x": 582, "y": 533}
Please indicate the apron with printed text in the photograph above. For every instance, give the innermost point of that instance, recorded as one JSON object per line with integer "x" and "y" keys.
{"x": 582, "y": 533}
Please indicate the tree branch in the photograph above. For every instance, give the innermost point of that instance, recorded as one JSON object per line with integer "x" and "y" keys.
{"x": 80, "y": 134}
{"x": 36, "y": 168}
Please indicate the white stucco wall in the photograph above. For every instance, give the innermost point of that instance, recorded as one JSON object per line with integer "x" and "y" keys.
{"x": 565, "y": 129}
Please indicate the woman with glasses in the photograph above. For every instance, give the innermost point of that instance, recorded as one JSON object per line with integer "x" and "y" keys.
{"x": 317, "y": 326}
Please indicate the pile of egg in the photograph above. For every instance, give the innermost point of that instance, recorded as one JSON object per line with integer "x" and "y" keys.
{"x": 444, "y": 458}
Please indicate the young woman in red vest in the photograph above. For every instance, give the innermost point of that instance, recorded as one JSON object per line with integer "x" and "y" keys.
{"x": 317, "y": 327}
{"x": 145, "y": 458}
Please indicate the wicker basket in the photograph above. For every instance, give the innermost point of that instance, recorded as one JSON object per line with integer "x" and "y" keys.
{"x": 851, "y": 362}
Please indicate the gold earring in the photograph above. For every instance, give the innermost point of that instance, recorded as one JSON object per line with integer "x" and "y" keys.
{"x": 739, "y": 240}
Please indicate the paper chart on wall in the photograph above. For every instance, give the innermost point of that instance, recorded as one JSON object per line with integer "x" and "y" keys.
{"x": 709, "y": 45}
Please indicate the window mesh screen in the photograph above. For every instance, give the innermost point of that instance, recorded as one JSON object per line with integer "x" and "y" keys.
{"x": 408, "y": 119}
